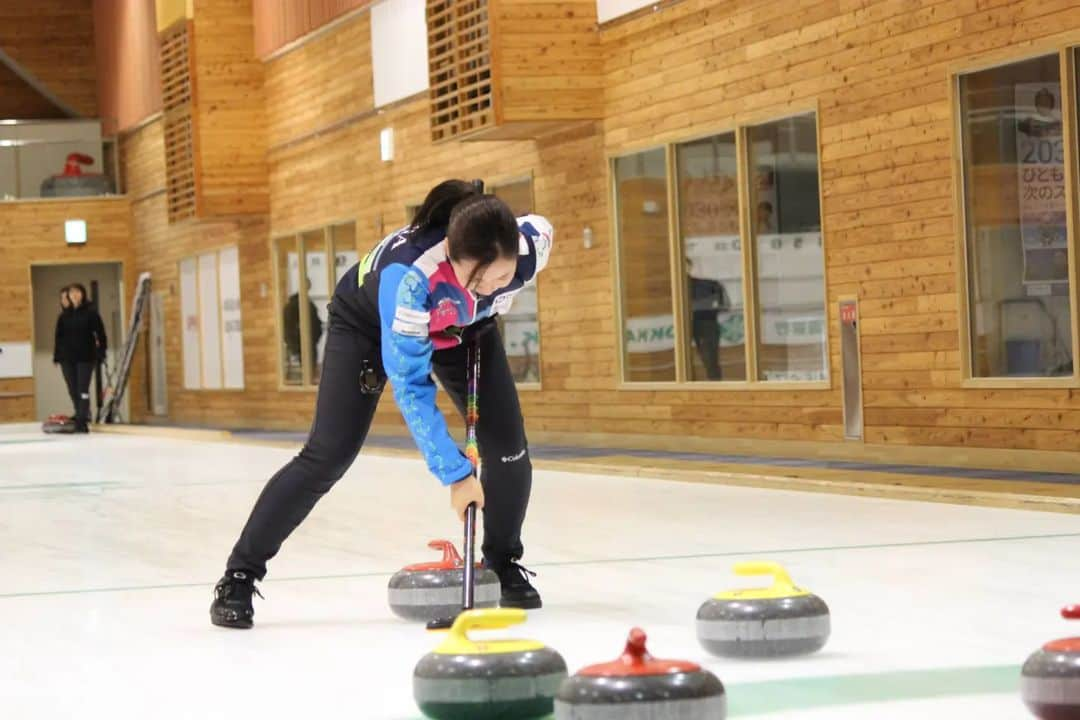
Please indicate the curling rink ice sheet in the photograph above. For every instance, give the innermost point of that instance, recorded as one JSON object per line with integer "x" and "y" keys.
{"x": 112, "y": 544}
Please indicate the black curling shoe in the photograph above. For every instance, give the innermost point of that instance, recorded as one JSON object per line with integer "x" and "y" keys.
{"x": 517, "y": 591}
{"x": 232, "y": 600}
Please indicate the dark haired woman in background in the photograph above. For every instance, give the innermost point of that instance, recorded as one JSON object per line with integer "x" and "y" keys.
{"x": 60, "y": 356}
{"x": 80, "y": 346}
{"x": 411, "y": 306}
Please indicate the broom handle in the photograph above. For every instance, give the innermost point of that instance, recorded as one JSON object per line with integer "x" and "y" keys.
{"x": 472, "y": 415}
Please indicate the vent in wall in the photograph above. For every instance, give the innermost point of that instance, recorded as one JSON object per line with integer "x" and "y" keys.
{"x": 177, "y": 100}
{"x": 459, "y": 67}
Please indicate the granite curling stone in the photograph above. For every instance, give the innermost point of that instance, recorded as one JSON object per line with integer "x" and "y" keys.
{"x": 637, "y": 686}
{"x": 775, "y": 621}
{"x": 463, "y": 679}
{"x": 427, "y": 591}
{"x": 1050, "y": 679}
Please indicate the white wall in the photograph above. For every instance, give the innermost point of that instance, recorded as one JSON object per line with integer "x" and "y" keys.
{"x": 610, "y": 9}
{"x": 398, "y": 49}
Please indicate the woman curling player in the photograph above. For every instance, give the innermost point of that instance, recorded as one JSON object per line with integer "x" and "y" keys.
{"x": 407, "y": 310}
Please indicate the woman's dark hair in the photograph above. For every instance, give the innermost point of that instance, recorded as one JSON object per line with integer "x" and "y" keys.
{"x": 440, "y": 203}
{"x": 482, "y": 229}
{"x": 81, "y": 288}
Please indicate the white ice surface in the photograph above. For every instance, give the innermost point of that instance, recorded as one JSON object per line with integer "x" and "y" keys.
{"x": 111, "y": 545}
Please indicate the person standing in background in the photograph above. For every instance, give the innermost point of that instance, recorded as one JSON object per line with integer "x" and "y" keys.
{"x": 291, "y": 326}
{"x": 59, "y": 354}
{"x": 707, "y": 300}
{"x": 80, "y": 346}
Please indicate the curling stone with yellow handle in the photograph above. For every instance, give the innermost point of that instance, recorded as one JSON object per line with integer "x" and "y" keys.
{"x": 1050, "y": 679}
{"x": 774, "y": 621}
{"x": 466, "y": 679}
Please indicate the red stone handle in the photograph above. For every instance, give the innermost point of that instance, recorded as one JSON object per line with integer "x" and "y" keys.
{"x": 450, "y": 556}
{"x": 74, "y": 163}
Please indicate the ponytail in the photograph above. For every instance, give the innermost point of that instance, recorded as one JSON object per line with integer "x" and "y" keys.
{"x": 440, "y": 202}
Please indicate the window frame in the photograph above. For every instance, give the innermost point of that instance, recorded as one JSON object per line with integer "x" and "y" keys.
{"x": 305, "y": 330}
{"x": 1067, "y": 58}
{"x": 216, "y": 251}
{"x": 738, "y": 124}
{"x": 489, "y": 188}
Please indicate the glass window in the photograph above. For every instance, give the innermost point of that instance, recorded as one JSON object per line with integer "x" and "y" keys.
{"x": 709, "y": 226}
{"x": 317, "y": 273}
{"x": 785, "y": 219}
{"x": 645, "y": 266}
{"x": 1015, "y": 210}
{"x": 520, "y": 325}
{"x": 287, "y": 257}
{"x": 345, "y": 253}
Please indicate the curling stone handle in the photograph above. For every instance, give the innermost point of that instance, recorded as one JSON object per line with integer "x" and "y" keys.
{"x": 450, "y": 556}
{"x": 486, "y": 619}
{"x": 1071, "y": 612}
{"x": 782, "y": 582}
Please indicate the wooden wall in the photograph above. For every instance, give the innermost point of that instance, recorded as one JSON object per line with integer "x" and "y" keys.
{"x": 19, "y": 100}
{"x": 54, "y": 40}
{"x": 279, "y": 22}
{"x": 320, "y": 84}
{"x": 876, "y": 71}
{"x": 128, "y": 61}
{"x": 229, "y": 113}
{"x": 33, "y": 232}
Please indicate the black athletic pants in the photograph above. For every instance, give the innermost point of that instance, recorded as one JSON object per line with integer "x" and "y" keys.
{"x": 77, "y": 376}
{"x": 707, "y": 339}
{"x": 342, "y": 418}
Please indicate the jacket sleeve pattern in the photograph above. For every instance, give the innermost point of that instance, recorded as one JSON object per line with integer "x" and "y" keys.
{"x": 406, "y": 354}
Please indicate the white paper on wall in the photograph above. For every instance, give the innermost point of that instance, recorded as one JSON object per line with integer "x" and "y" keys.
{"x": 189, "y": 322}
{"x": 209, "y": 321}
{"x": 231, "y": 323}
{"x": 16, "y": 360}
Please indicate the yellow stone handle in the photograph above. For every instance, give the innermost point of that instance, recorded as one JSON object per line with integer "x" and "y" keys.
{"x": 486, "y": 619}
{"x": 782, "y": 583}
{"x": 458, "y": 642}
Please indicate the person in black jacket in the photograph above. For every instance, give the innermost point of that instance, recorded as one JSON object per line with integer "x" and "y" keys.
{"x": 291, "y": 326}
{"x": 80, "y": 346}
{"x": 59, "y": 356}
{"x": 707, "y": 300}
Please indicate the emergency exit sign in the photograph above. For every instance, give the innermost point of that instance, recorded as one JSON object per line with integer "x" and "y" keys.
{"x": 847, "y": 313}
{"x": 75, "y": 232}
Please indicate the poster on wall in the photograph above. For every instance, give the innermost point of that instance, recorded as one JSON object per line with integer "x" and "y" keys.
{"x": 1040, "y": 162}
{"x": 189, "y": 322}
{"x": 209, "y": 321}
{"x": 231, "y": 321}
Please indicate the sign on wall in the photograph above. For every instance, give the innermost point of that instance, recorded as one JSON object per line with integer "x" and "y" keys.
{"x": 189, "y": 322}
{"x": 1040, "y": 164}
{"x": 231, "y": 323}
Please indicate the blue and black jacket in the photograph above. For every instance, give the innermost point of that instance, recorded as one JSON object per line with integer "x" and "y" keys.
{"x": 421, "y": 307}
